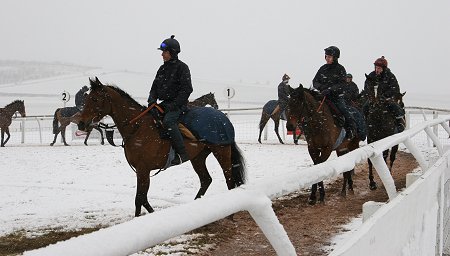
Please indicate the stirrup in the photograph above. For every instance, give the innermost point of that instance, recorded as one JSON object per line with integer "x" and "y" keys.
{"x": 179, "y": 159}
{"x": 349, "y": 134}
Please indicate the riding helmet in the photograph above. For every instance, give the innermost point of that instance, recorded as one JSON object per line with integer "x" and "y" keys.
{"x": 171, "y": 45}
{"x": 381, "y": 62}
{"x": 333, "y": 51}
{"x": 285, "y": 77}
{"x": 349, "y": 75}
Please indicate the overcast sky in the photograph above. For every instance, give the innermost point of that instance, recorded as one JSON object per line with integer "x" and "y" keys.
{"x": 237, "y": 40}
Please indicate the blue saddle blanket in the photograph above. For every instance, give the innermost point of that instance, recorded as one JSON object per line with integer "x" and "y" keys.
{"x": 270, "y": 106}
{"x": 69, "y": 111}
{"x": 209, "y": 125}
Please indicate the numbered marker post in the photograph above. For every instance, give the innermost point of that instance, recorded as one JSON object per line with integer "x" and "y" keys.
{"x": 229, "y": 93}
{"x": 65, "y": 97}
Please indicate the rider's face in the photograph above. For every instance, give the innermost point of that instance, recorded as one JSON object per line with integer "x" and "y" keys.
{"x": 378, "y": 70}
{"x": 166, "y": 55}
{"x": 329, "y": 59}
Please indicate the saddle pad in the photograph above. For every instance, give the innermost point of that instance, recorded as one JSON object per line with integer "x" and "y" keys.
{"x": 270, "y": 106}
{"x": 69, "y": 111}
{"x": 209, "y": 125}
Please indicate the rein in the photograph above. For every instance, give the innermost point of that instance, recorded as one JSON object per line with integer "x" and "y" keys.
{"x": 321, "y": 103}
{"x": 145, "y": 111}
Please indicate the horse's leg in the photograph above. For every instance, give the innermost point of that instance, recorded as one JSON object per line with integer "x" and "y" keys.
{"x": 54, "y": 138}
{"x": 262, "y": 123}
{"x": 276, "y": 120}
{"x": 199, "y": 164}
{"x": 315, "y": 156}
{"x": 63, "y": 135}
{"x": 101, "y": 135}
{"x": 3, "y": 135}
{"x": 372, "y": 183}
{"x": 143, "y": 184}
{"x": 392, "y": 156}
{"x": 87, "y": 137}
{"x": 7, "y": 134}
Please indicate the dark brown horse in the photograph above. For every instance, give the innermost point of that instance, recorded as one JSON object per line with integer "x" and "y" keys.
{"x": 6, "y": 115}
{"x": 146, "y": 151}
{"x": 380, "y": 123}
{"x": 306, "y": 110}
{"x": 63, "y": 117}
{"x": 267, "y": 114}
{"x": 207, "y": 99}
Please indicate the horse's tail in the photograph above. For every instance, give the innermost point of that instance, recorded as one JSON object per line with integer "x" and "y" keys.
{"x": 264, "y": 118}
{"x": 55, "y": 122}
{"x": 237, "y": 165}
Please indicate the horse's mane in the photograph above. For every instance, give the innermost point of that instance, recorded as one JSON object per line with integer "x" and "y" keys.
{"x": 315, "y": 94}
{"x": 14, "y": 102}
{"x": 124, "y": 94}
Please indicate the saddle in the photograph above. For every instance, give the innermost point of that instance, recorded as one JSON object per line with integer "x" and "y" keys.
{"x": 338, "y": 118}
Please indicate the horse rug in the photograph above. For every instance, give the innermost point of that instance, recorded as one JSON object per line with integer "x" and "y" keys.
{"x": 270, "y": 106}
{"x": 209, "y": 125}
{"x": 69, "y": 111}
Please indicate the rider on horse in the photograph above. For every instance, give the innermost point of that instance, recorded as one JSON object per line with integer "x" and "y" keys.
{"x": 173, "y": 86}
{"x": 388, "y": 89}
{"x": 79, "y": 97}
{"x": 283, "y": 95}
{"x": 351, "y": 91}
{"x": 330, "y": 82}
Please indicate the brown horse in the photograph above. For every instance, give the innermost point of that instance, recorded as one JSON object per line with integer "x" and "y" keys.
{"x": 380, "y": 123}
{"x": 207, "y": 99}
{"x": 63, "y": 117}
{"x": 6, "y": 115}
{"x": 306, "y": 110}
{"x": 267, "y": 114}
{"x": 146, "y": 151}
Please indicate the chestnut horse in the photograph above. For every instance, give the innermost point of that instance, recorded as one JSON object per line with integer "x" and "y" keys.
{"x": 146, "y": 151}
{"x": 316, "y": 121}
{"x": 6, "y": 115}
{"x": 207, "y": 99}
{"x": 380, "y": 123}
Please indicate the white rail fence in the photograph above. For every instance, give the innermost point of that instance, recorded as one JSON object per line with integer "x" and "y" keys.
{"x": 165, "y": 224}
{"x": 38, "y": 129}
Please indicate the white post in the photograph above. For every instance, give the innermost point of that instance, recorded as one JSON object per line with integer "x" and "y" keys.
{"x": 369, "y": 208}
{"x": 384, "y": 174}
{"x": 412, "y": 177}
{"x": 416, "y": 153}
{"x": 23, "y": 131}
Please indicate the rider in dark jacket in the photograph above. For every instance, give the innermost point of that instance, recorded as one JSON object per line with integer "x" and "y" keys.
{"x": 79, "y": 97}
{"x": 330, "y": 82}
{"x": 351, "y": 91}
{"x": 283, "y": 96}
{"x": 173, "y": 86}
{"x": 388, "y": 88}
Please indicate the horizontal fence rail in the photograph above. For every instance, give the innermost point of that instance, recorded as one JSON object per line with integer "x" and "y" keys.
{"x": 166, "y": 224}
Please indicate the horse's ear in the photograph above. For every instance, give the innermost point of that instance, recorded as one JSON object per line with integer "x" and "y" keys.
{"x": 98, "y": 81}
{"x": 367, "y": 77}
{"x": 403, "y": 94}
{"x": 300, "y": 86}
{"x": 95, "y": 84}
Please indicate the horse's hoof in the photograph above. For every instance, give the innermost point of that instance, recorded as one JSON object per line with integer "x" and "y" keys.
{"x": 51, "y": 144}
{"x": 350, "y": 191}
{"x": 373, "y": 186}
{"x": 312, "y": 201}
{"x": 103, "y": 143}
{"x": 65, "y": 144}
{"x": 259, "y": 141}
{"x": 343, "y": 193}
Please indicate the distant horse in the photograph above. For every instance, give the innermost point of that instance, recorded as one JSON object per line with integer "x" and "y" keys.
{"x": 63, "y": 117}
{"x": 207, "y": 99}
{"x": 322, "y": 135}
{"x": 380, "y": 124}
{"x": 146, "y": 151}
{"x": 266, "y": 114}
{"x": 6, "y": 115}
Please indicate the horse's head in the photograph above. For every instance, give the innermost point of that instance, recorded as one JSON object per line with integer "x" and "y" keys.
{"x": 294, "y": 107}
{"x": 21, "y": 108}
{"x": 97, "y": 104}
{"x": 211, "y": 100}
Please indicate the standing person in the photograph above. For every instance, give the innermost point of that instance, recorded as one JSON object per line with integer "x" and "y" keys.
{"x": 283, "y": 96}
{"x": 173, "y": 86}
{"x": 388, "y": 88}
{"x": 330, "y": 82}
{"x": 80, "y": 96}
{"x": 351, "y": 91}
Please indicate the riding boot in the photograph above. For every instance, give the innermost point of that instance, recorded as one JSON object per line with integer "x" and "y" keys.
{"x": 176, "y": 138}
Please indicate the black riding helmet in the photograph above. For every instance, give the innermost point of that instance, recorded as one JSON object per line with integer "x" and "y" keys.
{"x": 171, "y": 45}
{"x": 333, "y": 51}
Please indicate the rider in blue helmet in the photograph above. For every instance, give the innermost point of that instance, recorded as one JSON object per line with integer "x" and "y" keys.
{"x": 172, "y": 85}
